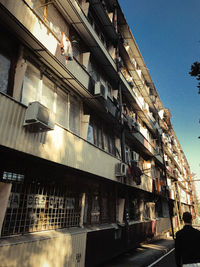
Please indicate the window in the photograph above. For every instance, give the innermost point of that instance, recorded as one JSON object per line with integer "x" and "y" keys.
{"x": 112, "y": 145}
{"x": 95, "y": 134}
{"x": 95, "y": 211}
{"x": 74, "y": 115}
{"x": 109, "y": 143}
{"x": 110, "y": 91}
{"x": 76, "y": 50}
{"x": 99, "y": 206}
{"x": 31, "y": 86}
{"x": 98, "y": 137}
{"x": 61, "y": 109}
{"x": 4, "y": 72}
{"x": 158, "y": 207}
{"x": 9, "y": 176}
{"x": 134, "y": 209}
{"x": 8, "y": 55}
{"x": 127, "y": 155}
{"x": 106, "y": 142}
{"x": 47, "y": 94}
{"x": 42, "y": 89}
{"x": 90, "y": 136}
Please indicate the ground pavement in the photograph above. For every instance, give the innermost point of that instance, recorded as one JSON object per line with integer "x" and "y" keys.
{"x": 144, "y": 255}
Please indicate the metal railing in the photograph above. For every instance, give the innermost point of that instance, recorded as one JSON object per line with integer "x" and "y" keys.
{"x": 38, "y": 205}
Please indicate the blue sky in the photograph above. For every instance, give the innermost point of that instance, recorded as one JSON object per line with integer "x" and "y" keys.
{"x": 168, "y": 36}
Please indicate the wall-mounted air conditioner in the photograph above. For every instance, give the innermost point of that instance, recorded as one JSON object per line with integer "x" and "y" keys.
{"x": 134, "y": 156}
{"x": 120, "y": 169}
{"x": 39, "y": 118}
{"x": 100, "y": 90}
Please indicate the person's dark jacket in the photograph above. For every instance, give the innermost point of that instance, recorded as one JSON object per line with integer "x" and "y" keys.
{"x": 187, "y": 246}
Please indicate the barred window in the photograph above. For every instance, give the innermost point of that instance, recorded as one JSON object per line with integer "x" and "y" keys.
{"x": 101, "y": 207}
{"x": 95, "y": 212}
{"x": 36, "y": 206}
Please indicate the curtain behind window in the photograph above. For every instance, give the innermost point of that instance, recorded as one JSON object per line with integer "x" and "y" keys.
{"x": 4, "y": 73}
{"x": 31, "y": 85}
{"x": 61, "y": 109}
{"x": 74, "y": 116}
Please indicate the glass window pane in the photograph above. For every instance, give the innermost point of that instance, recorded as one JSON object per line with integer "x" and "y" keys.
{"x": 106, "y": 143}
{"x": 61, "y": 109}
{"x": 4, "y": 73}
{"x": 74, "y": 116}
{"x": 47, "y": 97}
{"x": 100, "y": 142}
{"x": 95, "y": 135}
{"x": 112, "y": 145}
{"x": 31, "y": 85}
{"x": 90, "y": 136}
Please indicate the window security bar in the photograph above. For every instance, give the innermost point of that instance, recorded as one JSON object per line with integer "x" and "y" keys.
{"x": 36, "y": 206}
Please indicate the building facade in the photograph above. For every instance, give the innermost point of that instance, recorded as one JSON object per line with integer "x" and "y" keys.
{"x": 90, "y": 163}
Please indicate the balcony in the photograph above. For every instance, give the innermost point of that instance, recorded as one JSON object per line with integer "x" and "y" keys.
{"x": 59, "y": 145}
{"x": 145, "y": 145}
{"x": 129, "y": 50}
{"x": 45, "y": 44}
{"x": 72, "y": 11}
{"x": 104, "y": 17}
{"x": 146, "y": 183}
{"x": 138, "y": 103}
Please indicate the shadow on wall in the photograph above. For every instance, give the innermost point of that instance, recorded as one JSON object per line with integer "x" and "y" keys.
{"x": 55, "y": 249}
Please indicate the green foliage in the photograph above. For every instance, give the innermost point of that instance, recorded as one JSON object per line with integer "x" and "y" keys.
{"x": 195, "y": 71}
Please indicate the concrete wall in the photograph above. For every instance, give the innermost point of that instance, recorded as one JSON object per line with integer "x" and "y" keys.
{"x": 48, "y": 249}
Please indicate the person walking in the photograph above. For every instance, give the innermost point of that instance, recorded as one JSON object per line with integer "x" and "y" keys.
{"x": 187, "y": 244}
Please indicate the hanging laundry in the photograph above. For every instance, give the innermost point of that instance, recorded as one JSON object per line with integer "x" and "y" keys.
{"x": 66, "y": 47}
{"x": 136, "y": 173}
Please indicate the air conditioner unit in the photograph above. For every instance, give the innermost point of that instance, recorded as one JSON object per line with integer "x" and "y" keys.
{"x": 39, "y": 118}
{"x": 134, "y": 156}
{"x": 100, "y": 90}
{"x": 120, "y": 169}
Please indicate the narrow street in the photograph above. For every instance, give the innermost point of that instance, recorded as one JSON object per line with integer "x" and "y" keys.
{"x": 166, "y": 261}
{"x": 134, "y": 260}
{"x": 157, "y": 253}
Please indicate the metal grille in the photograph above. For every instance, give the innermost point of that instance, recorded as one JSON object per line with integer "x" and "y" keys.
{"x": 39, "y": 205}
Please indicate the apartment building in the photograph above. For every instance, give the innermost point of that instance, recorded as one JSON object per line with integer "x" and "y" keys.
{"x": 90, "y": 163}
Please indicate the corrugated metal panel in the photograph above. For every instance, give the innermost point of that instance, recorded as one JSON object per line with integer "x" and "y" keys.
{"x": 52, "y": 249}
{"x": 59, "y": 145}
